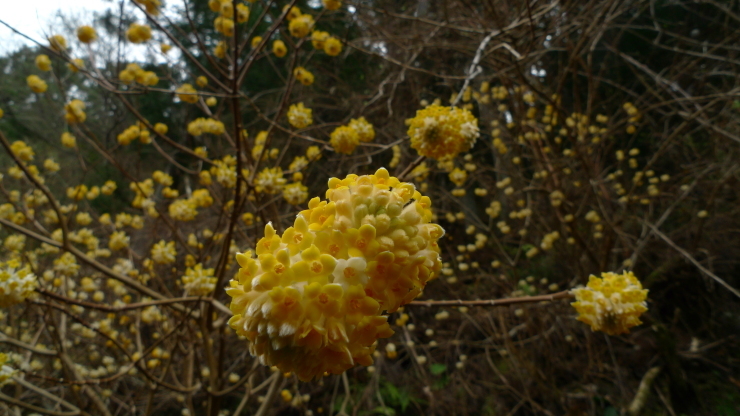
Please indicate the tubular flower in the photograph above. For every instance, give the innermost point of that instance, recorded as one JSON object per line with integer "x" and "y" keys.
{"x": 438, "y": 131}
{"x": 344, "y": 139}
{"x": 36, "y": 84}
{"x": 75, "y": 112}
{"x": 365, "y": 130}
{"x": 611, "y": 303}
{"x": 311, "y": 301}
{"x": 16, "y": 283}
{"x": 299, "y": 116}
{"x": 199, "y": 281}
{"x": 86, "y": 34}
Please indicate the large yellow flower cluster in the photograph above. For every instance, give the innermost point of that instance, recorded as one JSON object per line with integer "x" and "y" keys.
{"x": 612, "y": 303}
{"x": 137, "y": 33}
{"x": 205, "y": 125}
{"x": 36, "y": 84}
{"x": 75, "y": 112}
{"x": 133, "y": 72}
{"x": 16, "y": 283}
{"x": 440, "y": 132}
{"x": 312, "y": 301}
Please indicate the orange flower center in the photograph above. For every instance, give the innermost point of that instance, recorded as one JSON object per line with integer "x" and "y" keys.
{"x": 279, "y": 268}
{"x": 323, "y": 298}
{"x": 361, "y": 244}
{"x": 349, "y": 272}
{"x": 333, "y": 249}
{"x": 354, "y": 304}
{"x": 316, "y": 267}
{"x": 298, "y": 238}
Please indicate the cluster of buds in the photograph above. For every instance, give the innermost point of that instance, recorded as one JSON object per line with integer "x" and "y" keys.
{"x": 312, "y": 301}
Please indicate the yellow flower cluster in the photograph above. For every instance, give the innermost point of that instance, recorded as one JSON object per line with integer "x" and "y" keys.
{"x": 279, "y": 48}
{"x": 300, "y": 26}
{"x": 68, "y": 140}
{"x": 133, "y": 132}
{"x": 137, "y": 33}
{"x": 296, "y": 193}
{"x": 199, "y": 281}
{"x": 58, "y": 43}
{"x": 303, "y": 76}
{"x": 187, "y": 209}
{"x": 164, "y": 252}
{"x": 365, "y": 130}
{"x": 86, "y": 34}
{"x": 22, "y": 151}
{"x": 133, "y": 72}
{"x": 152, "y": 6}
{"x": 299, "y": 116}
{"x": 6, "y": 371}
{"x": 43, "y": 62}
{"x": 36, "y": 84}
{"x": 203, "y": 125}
{"x": 187, "y": 93}
{"x": 311, "y": 302}
{"x": 75, "y": 112}
{"x": 332, "y": 4}
{"x": 344, "y": 139}
{"x": 270, "y": 180}
{"x": 440, "y": 132}
{"x": 612, "y": 303}
{"x": 16, "y": 283}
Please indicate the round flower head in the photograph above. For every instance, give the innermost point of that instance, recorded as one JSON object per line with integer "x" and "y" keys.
{"x": 279, "y": 49}
{"x": 36, "y": 84}
{"x": 299, "y": 116}
{"x": 301, "y": 25}
{"x": 86, "y": 34}
{"x": 365, "y": 130}
{"x": 344, "y": 139}
{"x": 312, "y": 301}
{"x": 439, "y": 132}
{"x": 137, "y": 33}
{"x": 16, "y": 283}
{"x": 612, "y": 303}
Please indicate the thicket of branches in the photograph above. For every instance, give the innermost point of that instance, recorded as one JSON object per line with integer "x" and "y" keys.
{"x": 608, "y": 142}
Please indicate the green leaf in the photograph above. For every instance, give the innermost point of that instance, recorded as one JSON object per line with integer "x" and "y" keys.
{"x": 437, "y": 369}
{"x": 610, "y": 411}
{"x": 382, "y": 410}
